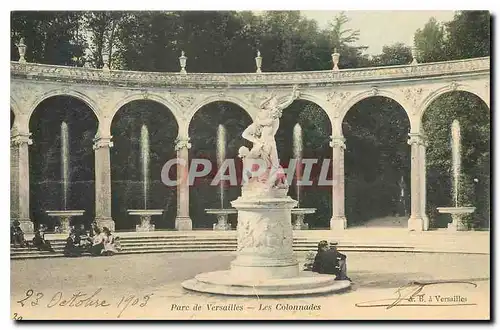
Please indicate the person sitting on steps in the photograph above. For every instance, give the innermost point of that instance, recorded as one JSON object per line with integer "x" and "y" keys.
{"x": 72, "y": 247}
{"x": 39, "y": 240}
{"x": 97, "y": 242}
{"x": 17, "y": 235}
{"x": 329, "y": 261}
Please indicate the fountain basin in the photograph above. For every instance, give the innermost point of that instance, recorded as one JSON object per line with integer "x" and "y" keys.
{"x": 299, "y": 214}
{"x": 222, "y": 215}
{"x": 145, "y": 217}
{"x": 64, "y": 218}
{"x": 458, "y": 222}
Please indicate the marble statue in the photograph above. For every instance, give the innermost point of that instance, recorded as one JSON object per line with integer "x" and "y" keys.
{"x": 264, "y": 152}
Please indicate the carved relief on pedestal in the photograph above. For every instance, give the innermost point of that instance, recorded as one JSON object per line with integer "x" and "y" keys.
{"x": 259, "y": 232}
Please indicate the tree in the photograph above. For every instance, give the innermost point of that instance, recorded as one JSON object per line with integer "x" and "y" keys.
{"x": 468, "y": 35}
{"x": 342, "y": 40}
{"x": 51, "y": 37}
{"x": 396, "y": 54}
{"x": 430, "y": 42}
{"x": 102, "y": 27}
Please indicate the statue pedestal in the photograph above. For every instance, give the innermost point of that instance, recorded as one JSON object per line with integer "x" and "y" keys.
{"x": 265, "y": 265}
{"x": 264, "y": 239}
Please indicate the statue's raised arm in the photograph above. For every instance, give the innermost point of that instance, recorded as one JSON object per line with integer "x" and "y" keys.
{"x": 293, "y": 97}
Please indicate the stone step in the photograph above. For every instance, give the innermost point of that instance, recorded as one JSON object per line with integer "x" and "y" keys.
{"x": 40, "y": 255}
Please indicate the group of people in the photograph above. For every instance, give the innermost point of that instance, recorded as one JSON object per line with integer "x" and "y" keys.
{"x": 96, "y": 242}
{"x": 328, "y": 260}
{"x": 38, "y": 242}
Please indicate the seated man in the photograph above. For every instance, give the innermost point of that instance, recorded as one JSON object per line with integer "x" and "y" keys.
{"x": 17, "y": 235}
{"x": 329, "y": 261}
{"x": 72, "y": 247}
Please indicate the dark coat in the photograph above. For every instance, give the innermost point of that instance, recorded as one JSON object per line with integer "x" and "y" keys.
{"x": 327, "y": 262}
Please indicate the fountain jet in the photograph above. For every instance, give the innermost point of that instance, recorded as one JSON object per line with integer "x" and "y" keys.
{"x": 65, "y": 162}
{"x": 145, "y": 163}
{"x": 455, "y": 156}
{"x": 457, "y": 212}
{"x": 297, "y": 155}
{"x": 221, "y": 156}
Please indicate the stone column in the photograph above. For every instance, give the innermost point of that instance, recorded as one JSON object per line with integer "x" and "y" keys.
{"x": 183, "y": 221}
{"x": 338, "y": 220}
{"x": 19, "y": 180}
{"x": 423, "y": 182}
{"x": 418, "y": 220}
{"x": 102, "y": 144}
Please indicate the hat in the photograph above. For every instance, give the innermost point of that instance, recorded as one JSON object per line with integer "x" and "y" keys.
{"x": 16, "y": 223}
{"x": 334, "y": 243}
{"x": 322, "y": 244}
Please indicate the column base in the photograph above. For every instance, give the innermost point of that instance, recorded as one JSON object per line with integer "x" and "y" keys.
{"x": 183, "y": 223}
{"x": 25, "y": 224}
{"x": 426, "y": 222}
{"x": 417, "y": 224}
{"x": 105, "y": 222}
{"x": 338, "y": 223}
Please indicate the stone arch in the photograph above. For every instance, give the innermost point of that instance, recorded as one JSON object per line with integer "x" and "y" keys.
{"x": 319, "y": 102}
{"x": 66, "y": 92}
{"x": 212, "y": 99}
{"x": 337, "y": 129}
{"x": 141, "y": 97}
{"x": 15, "y": 107}
{"x": 458, "y": 87}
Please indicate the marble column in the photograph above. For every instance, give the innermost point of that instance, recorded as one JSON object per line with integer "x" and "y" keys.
{"x": 418, "y": 220}
{"x": 19, "y": 180}
{"x": 102, "y": 144}
{"x": 182, "y": 220}
{"x": 338, "y": 220}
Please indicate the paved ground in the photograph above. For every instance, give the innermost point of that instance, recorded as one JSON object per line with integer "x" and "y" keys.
{"x": 115, "y": 279}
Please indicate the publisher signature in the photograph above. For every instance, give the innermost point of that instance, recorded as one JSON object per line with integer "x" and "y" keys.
{"x": 411, "y": 295}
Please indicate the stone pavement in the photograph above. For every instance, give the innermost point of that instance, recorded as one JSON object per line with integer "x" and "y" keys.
{"x": 148, "y": 287}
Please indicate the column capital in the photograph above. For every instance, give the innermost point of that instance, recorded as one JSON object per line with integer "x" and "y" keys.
{"x": 182, "y": 142}
{"x": 17, "y": 138}
{"x": 337, "y": 142}
{"x": 418, "y": 139}
{"x": 102, "y": 142}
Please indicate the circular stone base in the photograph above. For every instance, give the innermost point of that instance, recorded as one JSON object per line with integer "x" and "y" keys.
{"x": 224, "y": 282}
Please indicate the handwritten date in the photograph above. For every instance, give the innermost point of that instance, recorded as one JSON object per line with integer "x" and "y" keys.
{"x": 83, "y": 300}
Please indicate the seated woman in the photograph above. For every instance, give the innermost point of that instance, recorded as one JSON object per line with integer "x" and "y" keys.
{"x": 39, "y": 240}
{"x": 97, "y": 242}
{"x": 110, "y": 247}
{"x": 17, "y": 235}
{"x": 72, "y": 248}
{"x": 329, "y": 261}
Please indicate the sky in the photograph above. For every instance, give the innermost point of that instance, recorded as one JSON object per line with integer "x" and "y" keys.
{"x": 379, "y": 28}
